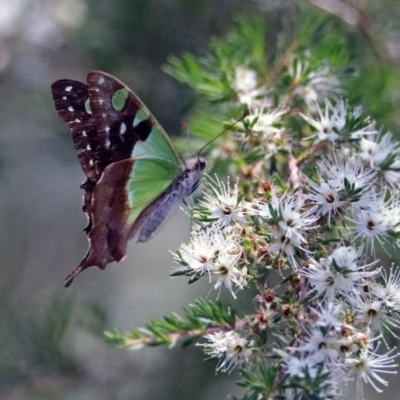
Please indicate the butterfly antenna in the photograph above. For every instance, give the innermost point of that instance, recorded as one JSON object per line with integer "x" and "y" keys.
{"x": 226, "y": 129}
{"x": 184, "y": 125}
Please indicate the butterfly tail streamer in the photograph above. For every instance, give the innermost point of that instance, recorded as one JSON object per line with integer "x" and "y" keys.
{"x": 69, "y": 279}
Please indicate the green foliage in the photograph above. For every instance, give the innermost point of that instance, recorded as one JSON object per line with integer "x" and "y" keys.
{"x": 313, "y": 40}
{"x": 37, "y": 341}
{"x": 200, "y": 317}
{"x": 210, "y": 76}
{"x": 262, "y": 384}
{"x": 213, "y": 77}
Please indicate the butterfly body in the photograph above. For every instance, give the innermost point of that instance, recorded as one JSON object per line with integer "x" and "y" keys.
{"x": 155, "y": 213}
{"x": 134, "y": 175}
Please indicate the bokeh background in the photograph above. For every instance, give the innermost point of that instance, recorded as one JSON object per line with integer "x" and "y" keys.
{"x": 51, "y": 338}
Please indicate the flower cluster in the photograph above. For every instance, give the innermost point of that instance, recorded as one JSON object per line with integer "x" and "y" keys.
{"x": 331, "y": 303}
{"x": 215, "y": 253}
{"x": 311, "y": 203}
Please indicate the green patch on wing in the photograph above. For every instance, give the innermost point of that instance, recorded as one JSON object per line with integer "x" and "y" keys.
{"x": 149, "y": 179}
{"x": 119, "y": 99}
{"x": 158, "y": 146}
{"x": 158, "y": 143}
{"x": 87, "y": 107}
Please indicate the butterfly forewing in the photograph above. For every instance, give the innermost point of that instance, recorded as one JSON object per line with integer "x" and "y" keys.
{"x": 114, "y": 113}
{"x": 121, "y": 115}
{"x": 71, "y": 99}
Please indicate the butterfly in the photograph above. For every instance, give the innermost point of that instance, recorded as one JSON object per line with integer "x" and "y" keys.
{"x": 134, "y": 174}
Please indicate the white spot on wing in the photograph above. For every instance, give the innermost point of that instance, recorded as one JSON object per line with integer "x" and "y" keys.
{"x": 107, "y": 143}
{"x": 101, "y": 80}
{"x": 64, "y": 97}
{"x": 122, "y": 129}
{"x": 84, "y": 133}
{"x": 70, "y": 108}
{"x": 68, "y": 88}
{"x": 88, "y": 147}
{"x": 77, "y": 120}
{"x": 91, "y": 163}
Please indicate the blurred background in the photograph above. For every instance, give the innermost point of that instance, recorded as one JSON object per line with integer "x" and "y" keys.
{"x": 51, "y": 338}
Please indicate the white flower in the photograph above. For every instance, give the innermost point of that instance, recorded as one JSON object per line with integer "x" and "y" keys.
{"x": 329, "y": 122}
{"x": 280, "y": 244}
{"x": 377, "y": 222}
{"x": 382, "y": 154}
{"x": 245, "y": 84}
{"x": 345, "y": 257}
{"x": 371, "y": 225}
{"x": 292, "y": 221}
{"x": 328, "y": 316}
{"x": 303, "y": 367}
{"x": 198, "y": 256}
{"x": 262, "y": 128}
{"x": 322, "y": 83}
{"x": 389, "y": 293}
{"x": 221, "y": 204}
{"x": 345, "y": 260}
{"x": 226, "y": 271}
{"x": 295, "y": 366}
{"x": 245, "y": 79}
{"x": 258, "y": 207}
{"x": 339, "y": 274}
{"x": 319, "y": 346}
{"x": 290, "y": 226}
{"x": 367, "y": 367}
{"x": 230, "y": 347}
{"x": 374, "y": 314}
{"x": 264, "y": 122}
{"x": 313, "y": 84}
{"x": 263, "y": 208}
{"x": 214, "y": 252}
{"x": 346, "y": 174}
{"x": 327, "y": 199}
{"x": 323, "y": 281}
